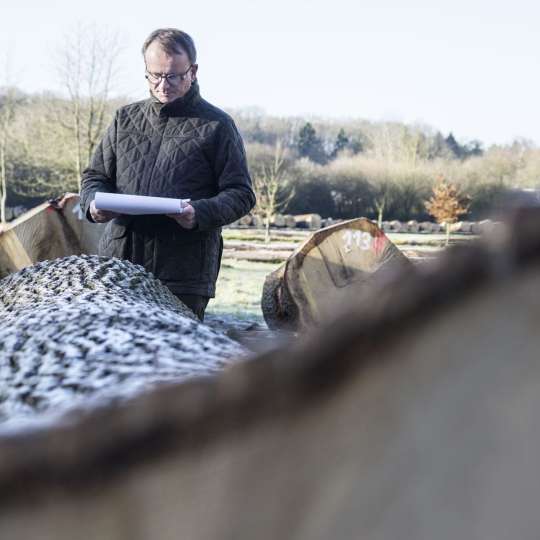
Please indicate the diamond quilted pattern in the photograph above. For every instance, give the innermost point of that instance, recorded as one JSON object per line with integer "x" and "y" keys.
{"x": 188, "y": 149}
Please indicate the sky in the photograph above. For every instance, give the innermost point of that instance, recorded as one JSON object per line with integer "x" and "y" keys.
{"x": 466, "y": 66}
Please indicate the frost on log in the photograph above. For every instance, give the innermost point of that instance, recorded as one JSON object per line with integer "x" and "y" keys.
{"x": 84, "y": 329}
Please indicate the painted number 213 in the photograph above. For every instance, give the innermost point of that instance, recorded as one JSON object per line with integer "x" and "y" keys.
{"x": 358, "y": 239}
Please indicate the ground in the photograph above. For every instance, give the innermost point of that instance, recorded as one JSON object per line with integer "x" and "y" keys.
{"x": 237, "y": 305}
{"x": 239, "y": 289}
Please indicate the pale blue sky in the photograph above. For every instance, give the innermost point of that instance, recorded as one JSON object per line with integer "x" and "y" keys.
{"x": 470, "y": 66}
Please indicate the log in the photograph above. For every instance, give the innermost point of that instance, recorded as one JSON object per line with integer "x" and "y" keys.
{"x": 332, "y": 265}
{"x": 84, "y": 327}
{"x": 257, "y": 222}
{"x": 412, "y": 226}
{"x": 426, "y": 226}
{"x": 414, "y": 416}
{"x": 308, "y": 221}
{"x": 53, "y": 229}
{"x": 462, "y": 227}
{"x": 290, "y": 221}
{"x": 326, "y": 222}
{"x": 397, "y": 226}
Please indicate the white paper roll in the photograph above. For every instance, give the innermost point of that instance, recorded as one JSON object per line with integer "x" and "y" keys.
{"x": 137, "y": 205}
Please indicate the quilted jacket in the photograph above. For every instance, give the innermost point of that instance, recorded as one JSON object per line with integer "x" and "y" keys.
{"x": 184, "y": 149}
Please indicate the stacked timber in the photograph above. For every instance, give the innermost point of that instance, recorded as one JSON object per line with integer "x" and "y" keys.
{"x": 414, "y": 416}
{"x": 314, "y": 222}
{"x": 278, "y": 220}
{"x": 335, "y": 265}
{"x": 461, "y": 227}
{"x": 308, "y": 221}
{"x": 290, "y": 221}
{"x": 326, "y": 222}
{"x": 398, "y": 226}
{"x": 426, "y": 226}
{"x": 412, "y": 226}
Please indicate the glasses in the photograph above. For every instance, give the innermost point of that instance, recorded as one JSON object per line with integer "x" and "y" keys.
{"x": 172, "y": 78}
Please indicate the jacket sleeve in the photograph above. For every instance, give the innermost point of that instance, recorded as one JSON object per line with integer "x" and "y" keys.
{"x": 100, "y": 175}
{"x": 235, "y": 196}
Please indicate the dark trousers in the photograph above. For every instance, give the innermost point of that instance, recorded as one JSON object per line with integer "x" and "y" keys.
{"x": 195, "y": 302}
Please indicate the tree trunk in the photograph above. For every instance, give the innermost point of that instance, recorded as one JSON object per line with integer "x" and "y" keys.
{"x": 380, "y": 211}
{"x": 447, "y": 227}
{"x": 379, "y": 218}
{"x": 78, "y": 156}
{"x": 3, "y": 183}
{"x": 267, "y": 229}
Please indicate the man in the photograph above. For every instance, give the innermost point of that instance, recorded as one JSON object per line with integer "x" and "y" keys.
{"x": 174, "y": 144}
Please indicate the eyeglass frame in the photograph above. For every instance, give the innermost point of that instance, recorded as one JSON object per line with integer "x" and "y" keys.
{"x": 167, "y": 76}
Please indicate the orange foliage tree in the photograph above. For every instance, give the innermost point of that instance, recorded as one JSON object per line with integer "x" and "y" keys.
{"x": 445, "y": 204}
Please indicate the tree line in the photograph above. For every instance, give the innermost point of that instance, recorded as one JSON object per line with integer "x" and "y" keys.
{"x": 386, "y": 170}
{"x": 346, "y": 169}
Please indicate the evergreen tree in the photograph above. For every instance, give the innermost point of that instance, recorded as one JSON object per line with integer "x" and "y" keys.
{"x": 438, "y": 147}
{"x": 342, "y": 142}
{"x": 448, "y": 148}
{"x": 309, "y": 145}
{"x": 356, "y": 146}
{"x": 454, "y": 146}
{"x": 474, "y": 148}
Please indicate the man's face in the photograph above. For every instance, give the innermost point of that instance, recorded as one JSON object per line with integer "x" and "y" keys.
{"x": 159, "y": 62}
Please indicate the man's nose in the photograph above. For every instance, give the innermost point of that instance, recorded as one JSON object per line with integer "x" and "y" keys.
{"x": 164, "y": 81}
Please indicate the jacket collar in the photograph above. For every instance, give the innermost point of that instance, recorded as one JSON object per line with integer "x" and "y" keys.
{"x": 179, "y": 105}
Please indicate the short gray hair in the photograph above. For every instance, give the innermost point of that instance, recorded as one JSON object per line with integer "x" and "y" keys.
{"x": 173, "y": 41}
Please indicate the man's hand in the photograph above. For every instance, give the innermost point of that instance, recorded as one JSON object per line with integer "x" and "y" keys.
{"x": 101, "y": 216}
{"x": 187, "y": 218}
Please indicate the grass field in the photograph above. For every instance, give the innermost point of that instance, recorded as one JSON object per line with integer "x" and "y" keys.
{"x": 239, "y": 289}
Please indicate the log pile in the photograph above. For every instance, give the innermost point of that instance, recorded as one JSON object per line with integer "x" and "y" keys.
{"x": 314, "y": 222}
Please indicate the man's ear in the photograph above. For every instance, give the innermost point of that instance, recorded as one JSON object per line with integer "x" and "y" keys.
{"x": 194, "y": 69}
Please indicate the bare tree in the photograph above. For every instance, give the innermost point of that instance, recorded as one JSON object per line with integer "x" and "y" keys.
{"x": 7, "y": 113}
{"x": 87, "y": 65}
{"x": 382, "y": 199}
{"x": 413, "y": 143}
{"x": 271, "y": 188}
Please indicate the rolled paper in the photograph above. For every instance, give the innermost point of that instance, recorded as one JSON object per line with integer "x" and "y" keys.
{"x": 137, "y": 205}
